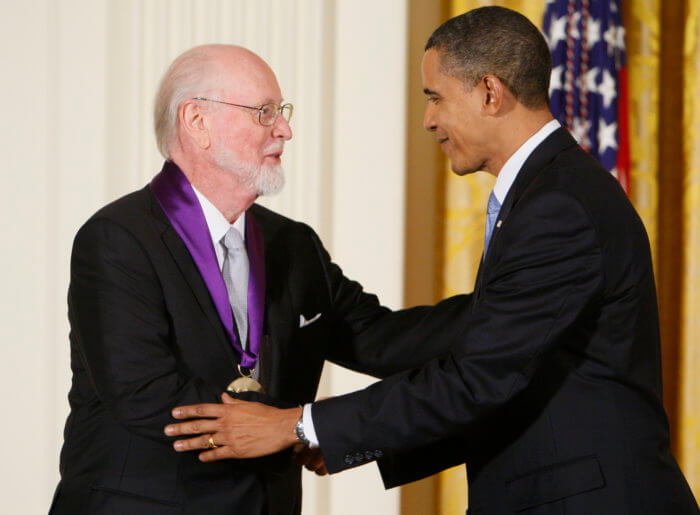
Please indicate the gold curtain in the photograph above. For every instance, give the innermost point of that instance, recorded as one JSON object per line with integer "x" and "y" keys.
{"x": 688, "y": 437}
{"x": 663, "y": 53}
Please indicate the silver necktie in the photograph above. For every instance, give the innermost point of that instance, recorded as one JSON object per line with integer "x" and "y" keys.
{"x": 235, "y": 272}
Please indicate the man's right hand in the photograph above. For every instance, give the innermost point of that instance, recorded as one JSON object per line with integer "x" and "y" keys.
{"x": 235, "y": 429}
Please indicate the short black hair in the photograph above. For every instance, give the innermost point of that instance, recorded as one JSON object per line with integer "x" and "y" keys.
{"x": 497, "y": 41}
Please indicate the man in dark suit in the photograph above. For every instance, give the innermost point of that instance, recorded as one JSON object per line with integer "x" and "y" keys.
{"x": 551, "y": 391}
{"x": 166, "y": 310}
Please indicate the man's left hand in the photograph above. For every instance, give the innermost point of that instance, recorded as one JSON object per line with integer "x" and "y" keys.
{"x": 311, "y": 458}
{"x": 238, "y": 429}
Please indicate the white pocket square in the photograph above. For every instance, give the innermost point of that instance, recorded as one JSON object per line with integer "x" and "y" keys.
{"x": 303, "y": 322}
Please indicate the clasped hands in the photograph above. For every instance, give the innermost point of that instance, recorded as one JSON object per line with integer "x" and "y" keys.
{"x": 241, "y": 429}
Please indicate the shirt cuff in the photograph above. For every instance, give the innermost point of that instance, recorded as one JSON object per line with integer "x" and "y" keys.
{"x": 308, "y": 422}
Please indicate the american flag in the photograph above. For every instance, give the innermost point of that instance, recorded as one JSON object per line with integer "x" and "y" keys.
{"x": 588, "y": 88}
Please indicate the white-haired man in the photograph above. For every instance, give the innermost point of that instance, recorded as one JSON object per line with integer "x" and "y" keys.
{"x": 186, "y": 289}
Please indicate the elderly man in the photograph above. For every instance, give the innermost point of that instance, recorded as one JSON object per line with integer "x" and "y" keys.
{"x": 551, "y": 393}
{"x": 186, "y": 289}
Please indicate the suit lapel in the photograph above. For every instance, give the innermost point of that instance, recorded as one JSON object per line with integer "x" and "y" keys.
{"x": 544, "y": 153}
{"x": 279, "y": 326}
{"x": 181, "y": 255}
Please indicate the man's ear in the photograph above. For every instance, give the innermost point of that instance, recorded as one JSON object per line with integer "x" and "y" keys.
{"x": 494, "y": 93}
{"x": 194, "y": 123}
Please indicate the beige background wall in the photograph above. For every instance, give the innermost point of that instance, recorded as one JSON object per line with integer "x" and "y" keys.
{"x": 78, "y": 78}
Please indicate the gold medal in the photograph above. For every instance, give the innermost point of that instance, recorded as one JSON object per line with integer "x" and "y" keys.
{"x": 245, "y": 383}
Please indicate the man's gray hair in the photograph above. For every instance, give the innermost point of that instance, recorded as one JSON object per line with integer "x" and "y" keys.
{"x": 186, "y": 78}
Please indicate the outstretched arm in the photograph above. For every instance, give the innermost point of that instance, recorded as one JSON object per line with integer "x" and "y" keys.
{"x": 543, "y": 283}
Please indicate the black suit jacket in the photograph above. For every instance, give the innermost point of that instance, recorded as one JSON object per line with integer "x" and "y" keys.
{"x": 145, "y": 337}
{"x": 551, "y": 392}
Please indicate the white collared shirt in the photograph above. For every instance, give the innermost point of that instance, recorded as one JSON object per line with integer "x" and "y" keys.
{"x": 218, "y": 225}
{"x": 510, "y": 170}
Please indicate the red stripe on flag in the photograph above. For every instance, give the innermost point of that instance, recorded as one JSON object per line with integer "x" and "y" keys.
{"x": 623, "y": 150}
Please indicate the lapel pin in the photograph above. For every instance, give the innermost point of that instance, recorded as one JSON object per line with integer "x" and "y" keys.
{"x": 498, "y": 224}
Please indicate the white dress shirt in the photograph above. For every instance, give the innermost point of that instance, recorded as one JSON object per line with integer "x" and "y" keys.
{"x": 218, "y": 225}
{"x": 506, "y": 177}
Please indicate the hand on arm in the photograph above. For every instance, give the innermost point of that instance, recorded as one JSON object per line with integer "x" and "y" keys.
{"x": 240, "y": 429}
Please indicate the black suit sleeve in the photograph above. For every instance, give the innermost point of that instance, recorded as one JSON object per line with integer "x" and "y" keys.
{"x": 545, "y": 279}
{"x": 120, "y": 324}
{"x": 370, "y": 338}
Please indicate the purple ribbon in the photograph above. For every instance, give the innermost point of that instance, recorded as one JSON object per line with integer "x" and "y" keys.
{"x": 177, "y": 198}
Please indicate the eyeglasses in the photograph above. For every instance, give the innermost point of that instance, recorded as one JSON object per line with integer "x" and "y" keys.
{"x": 267, "y": 113}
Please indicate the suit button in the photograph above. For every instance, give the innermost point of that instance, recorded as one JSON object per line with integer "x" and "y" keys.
{"x": 378, "y": 454}
{"x": 359, "y": 457}
{"x": 349, "y": 460}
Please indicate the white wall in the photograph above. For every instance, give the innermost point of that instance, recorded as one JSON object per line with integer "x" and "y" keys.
{"x": 368, "y": 191}
{"x": 53, "y": 176}
{"x": 78, "y": 80}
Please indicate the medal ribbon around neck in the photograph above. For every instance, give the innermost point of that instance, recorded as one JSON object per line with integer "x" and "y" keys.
{"x": 179, "y": 202}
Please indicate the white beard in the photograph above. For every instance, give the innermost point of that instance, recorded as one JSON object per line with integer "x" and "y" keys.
{"x": 260, "y": 179}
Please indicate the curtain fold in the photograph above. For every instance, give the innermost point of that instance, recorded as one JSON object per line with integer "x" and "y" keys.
{"x": 663, "y": 54}
{"x": 689, "y": 434}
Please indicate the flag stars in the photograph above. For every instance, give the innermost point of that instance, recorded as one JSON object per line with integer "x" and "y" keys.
{"x": 580, "y": 132}
{"x": 557, "y": 31}
{"x": 620, "y": 38}
{"x": 584, "y": 80}
{"x": 606, "y": 136}
{"x": 592, "y": 32}
{"x": 609, "y": 37}
{"x": 607, "y": 88}
{"x": 590, "y": 79}
{"x": 555, "y": 81}
{"x": 614, "y": 38}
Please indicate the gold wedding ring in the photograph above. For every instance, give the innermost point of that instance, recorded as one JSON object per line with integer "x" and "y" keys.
{"x": 212, "y": 445}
